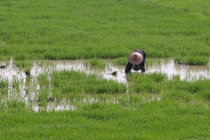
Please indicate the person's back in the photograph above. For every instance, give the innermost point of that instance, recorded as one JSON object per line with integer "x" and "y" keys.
{"x": 136, "y": 60}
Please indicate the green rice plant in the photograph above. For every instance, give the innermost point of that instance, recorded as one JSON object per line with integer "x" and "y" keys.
{"x": 192, "y": 60}
{"x": 96, "y": 63}
{"x": 103, "y": 86}
{"x": 187, "y": 91}
{"x": 175, "y": 85}
{"x": 108, "y": 29}
{"x": 147, "y": 83}
{"x": 68, "y": 82}
{"x": 121, "y": 61}
{"x": 21, "y": 57}
{"x": 206, "y": 95}
{"x": 43, "y": 98}
{"x": 197, "y": 60}
{"x": 46, "y": 36}
{"x": 178, "y": 60}
{"x": 154, "y": 53}
{"x": 23, "y": 64}
{"x": 43, "y": 80}
{"x": 130, "y": 100}
{"x": 136, "y": 100}
{"x": 3, "y": 87}
{"x": 3, "y": 84}
{"x": 197, "y": 86}
{"x": 75, "y": 84}
{"x": 176, "y": 78}
{"x": 42, "y": 63}
{"x": 15, "y": 85}
{"x": 179, "y": 96}
{"x": 15, "y": 105}
{"x": 98, "y": 112}
{"x": 157, "y": 77}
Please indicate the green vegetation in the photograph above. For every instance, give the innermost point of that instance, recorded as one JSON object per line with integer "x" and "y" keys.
{"x": 23, "y": 64}
{"x": 160, "y": 109}
{"x": 96, "y": 63}
{"x": 77, "y": 84}
{"x": 149, "y": 107}
{"x": 3, "y": 87}
{"x": 104, "y": 29}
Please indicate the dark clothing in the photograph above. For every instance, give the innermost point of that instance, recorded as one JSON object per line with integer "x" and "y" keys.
{"x": 129, "y": 65}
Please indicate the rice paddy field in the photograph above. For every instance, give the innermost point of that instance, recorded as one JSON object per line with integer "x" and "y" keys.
{"x": 41, "y": 97}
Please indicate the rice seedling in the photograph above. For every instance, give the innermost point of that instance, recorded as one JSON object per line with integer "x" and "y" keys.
{"x": 150, "y": 107}
{"x": 134, "y": 112}
{"x": 191, "y": 60}
{"x": 54, "y": 38}
{"x": 121, "y": 61}
{"x": 23, "y": 64}
{"x": 77, "y": 85}
{"x": 141, "y": 83}
{"x": 199, "y": 60}
{"x": 96, "y": 63}
{"x": 3, "y": 87}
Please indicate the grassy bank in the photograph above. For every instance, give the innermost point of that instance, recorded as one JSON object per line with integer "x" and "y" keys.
{"x": 112, "y": 29}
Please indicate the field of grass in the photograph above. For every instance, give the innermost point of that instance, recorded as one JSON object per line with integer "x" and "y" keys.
{"x": 78, "y": 29}
{"x": 152, "y": 108}
{"x": 149, "y": 107}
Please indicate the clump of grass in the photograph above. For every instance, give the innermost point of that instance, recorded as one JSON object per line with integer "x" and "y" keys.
{"x": 179, "y": 96}
{"x": 3, "y": 87}
{"x": 23, "y": 64}
{"x": 16, "y": 105}
{"x": 197, "y": 60}
{"x": 199, "y": 86}
{"x": 206, "y": 95}
{"x": 121, "y": 61}
{"x": 43, "y": 80}
{"x": 192, "y": 60}
{"x": 43, "y": 97}
{"x": 74, "y": 84}
{"x": 96, "y": 63}
{"x": 178, "y": 60}
{"x": 147, "y": 83}
{"x": 102, "y": 112}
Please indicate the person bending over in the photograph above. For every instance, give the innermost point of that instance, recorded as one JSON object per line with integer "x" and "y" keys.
{"x": 136, "y": 60}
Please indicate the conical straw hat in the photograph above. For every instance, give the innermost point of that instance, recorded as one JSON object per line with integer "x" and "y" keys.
{"x": 135, "y": 58}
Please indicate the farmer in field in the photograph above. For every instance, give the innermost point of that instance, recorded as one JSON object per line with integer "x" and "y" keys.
{"x": 136, "y": 60}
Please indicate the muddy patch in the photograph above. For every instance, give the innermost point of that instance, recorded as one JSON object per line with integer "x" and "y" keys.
{"x": 28, "y": 93}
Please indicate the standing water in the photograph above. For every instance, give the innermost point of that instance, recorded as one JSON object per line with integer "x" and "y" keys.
{"x": 28, "y": 93}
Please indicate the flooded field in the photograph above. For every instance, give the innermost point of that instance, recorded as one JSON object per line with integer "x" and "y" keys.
{"x": 28, "y": 93}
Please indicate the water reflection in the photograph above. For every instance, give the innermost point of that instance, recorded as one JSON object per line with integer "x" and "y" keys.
{"x": 185, "y": 72}
{"x": 28, "y": 93}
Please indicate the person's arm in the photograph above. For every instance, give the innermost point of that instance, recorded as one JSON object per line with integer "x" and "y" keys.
{"x": 128, "y": 67}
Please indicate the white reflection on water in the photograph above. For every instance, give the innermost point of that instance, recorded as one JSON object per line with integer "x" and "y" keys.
{"x": 186, "y": 72}
{"x": 28, "y": 93}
